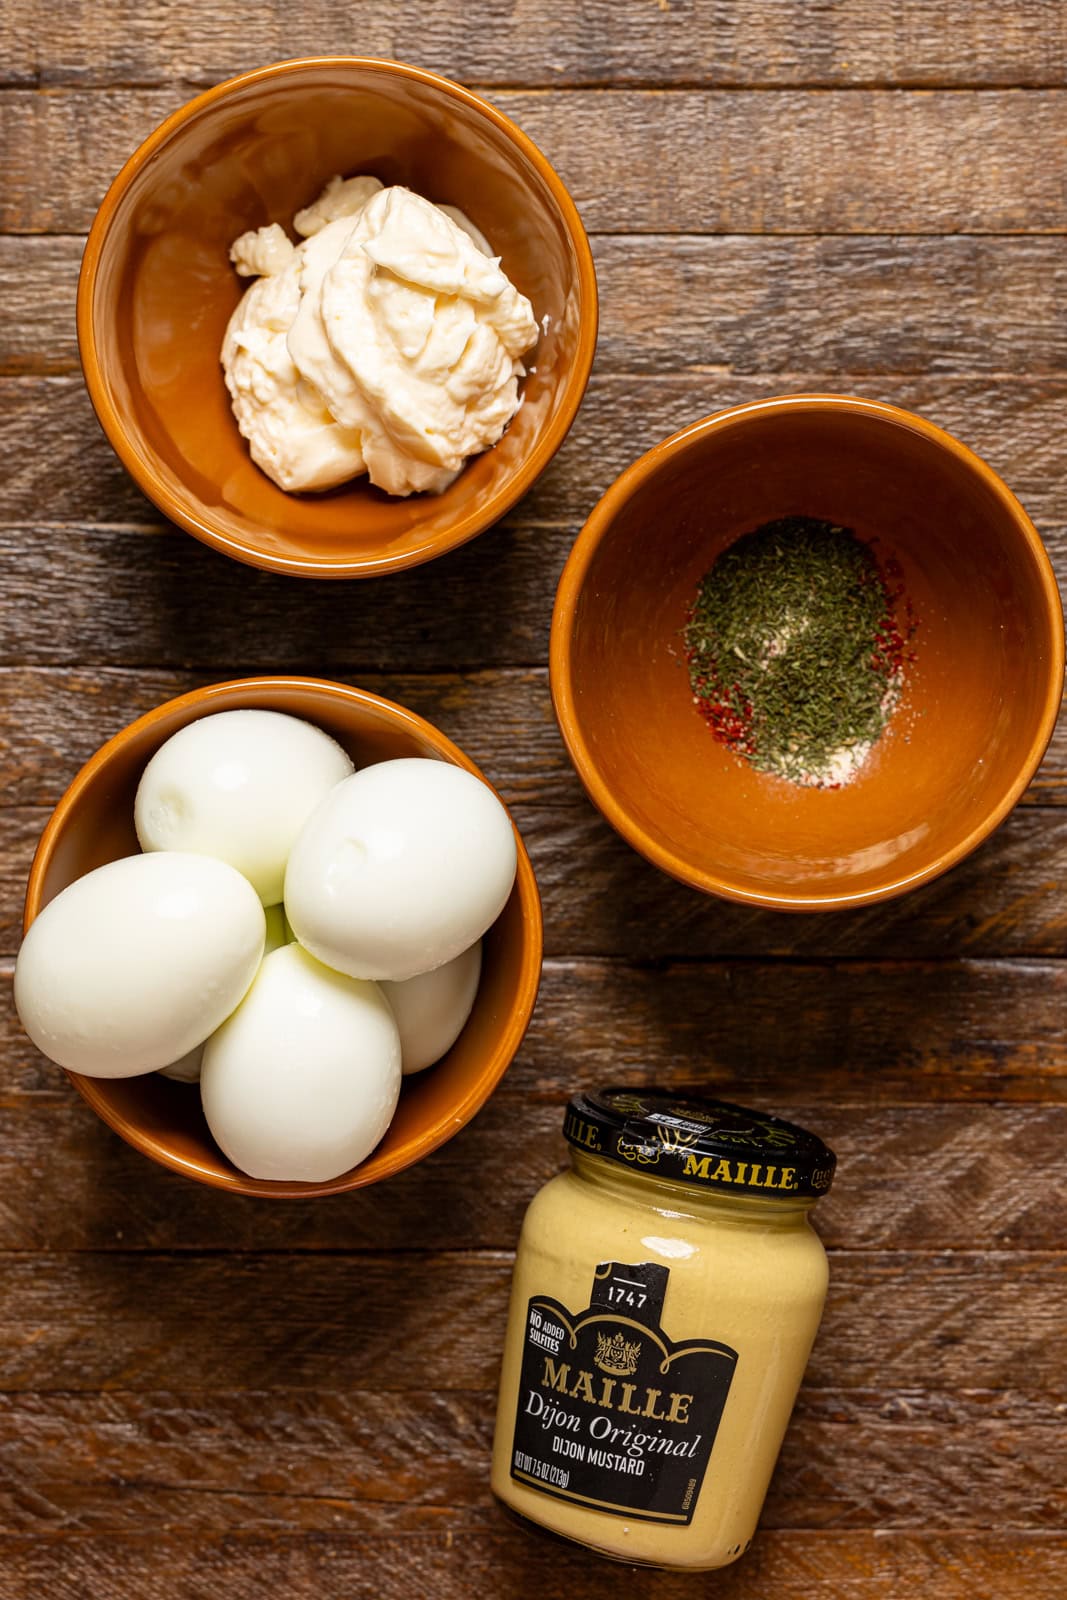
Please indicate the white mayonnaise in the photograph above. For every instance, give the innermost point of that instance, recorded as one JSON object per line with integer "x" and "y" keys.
{"x": 389, "y": 341}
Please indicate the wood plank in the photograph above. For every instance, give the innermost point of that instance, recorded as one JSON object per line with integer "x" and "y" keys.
{"x": 927, "y": 1176}
{"x": 39, "y": 285}
{"x": 452, "y": 1564}
{"x": 1017, "y": 426}
{"x": 590, "y": 42}
{"x": 201, "y": 1395}
{"x": 869, "y": 1037}
{"x": 50, "y": 721}
{"x": 116, "y": 1463}
{"x": 858, "y": 1035}
{"x": 854, "y": 1036}
{"x": 120, "y": 1462}
{"x": 640, "y": 161}
{"x": 61, "y": 469}
{"x": 225, "y": 1321}
{"x": 955, "y": 305}
{"x": 1003, "y": 900}
{"x": 503, "y": 718}
{"x": 136, "y": 596}
{"x": 154, "y": 612}
{"x": 122, "y": 597}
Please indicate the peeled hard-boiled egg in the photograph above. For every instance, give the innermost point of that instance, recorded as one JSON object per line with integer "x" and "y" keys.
{"x": 402, "y": 867}
{"x": 431, "y": 1009}
{"x": 132, "y": 966}
{"x": 238, "y": 785}
{"x": 302, "y": 1081}
{"x": 187, "y": 1070}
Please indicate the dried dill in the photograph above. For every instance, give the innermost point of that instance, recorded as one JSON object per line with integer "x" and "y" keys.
{"x": 796, "y": 650}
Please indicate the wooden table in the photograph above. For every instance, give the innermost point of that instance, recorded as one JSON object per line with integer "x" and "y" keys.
{"x": 204, "y": 1396}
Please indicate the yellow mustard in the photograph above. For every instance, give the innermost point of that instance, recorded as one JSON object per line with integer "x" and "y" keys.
{"x": 667, "y": 1292}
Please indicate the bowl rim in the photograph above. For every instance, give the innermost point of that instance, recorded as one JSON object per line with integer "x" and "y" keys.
{"x": 489, "y": 510}
{"x": 235, "y": 1182}
{"x": 597, "y": 528}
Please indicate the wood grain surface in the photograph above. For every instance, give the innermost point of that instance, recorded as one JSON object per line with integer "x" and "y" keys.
{"x": 202, "y": 1395}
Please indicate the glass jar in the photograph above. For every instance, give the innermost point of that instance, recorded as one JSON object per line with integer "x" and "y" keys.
{"x": 667, "y": 1292}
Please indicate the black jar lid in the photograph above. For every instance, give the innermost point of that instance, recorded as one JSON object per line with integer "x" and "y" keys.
{"x": 710, "y": 1144}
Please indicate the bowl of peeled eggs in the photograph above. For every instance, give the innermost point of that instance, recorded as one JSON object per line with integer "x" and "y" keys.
{"x": 282, "y": 935}
{"x": 807, "y": 653}
{"x": 336, "y": 316}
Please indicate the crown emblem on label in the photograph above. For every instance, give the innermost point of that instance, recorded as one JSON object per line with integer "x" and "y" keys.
{"x": 675, "y": 1138}
{"x": 616, "y": 1355}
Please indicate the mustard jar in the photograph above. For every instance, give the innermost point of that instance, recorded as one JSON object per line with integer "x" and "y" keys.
{"x": 668, "y": 1287}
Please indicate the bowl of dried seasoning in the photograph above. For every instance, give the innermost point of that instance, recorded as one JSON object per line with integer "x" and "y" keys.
{"x": 807, "y": 653}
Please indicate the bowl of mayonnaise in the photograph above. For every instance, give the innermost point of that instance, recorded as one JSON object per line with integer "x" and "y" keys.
{"x": 336, "y": 316}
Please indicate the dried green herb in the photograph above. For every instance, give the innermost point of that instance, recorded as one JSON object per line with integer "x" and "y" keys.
{"x": 795, "y": 649}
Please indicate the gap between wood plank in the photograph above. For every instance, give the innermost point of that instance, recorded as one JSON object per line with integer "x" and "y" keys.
{"x": 486, "y": 1254}
{"x": 38, "y": 83}
{"x": 689, "y": 233}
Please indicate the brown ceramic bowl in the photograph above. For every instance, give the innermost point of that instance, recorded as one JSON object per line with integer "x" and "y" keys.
{"x": 978, "y": 706}
{"x": 157, "y": 290}
{"x": 93, "y": 824}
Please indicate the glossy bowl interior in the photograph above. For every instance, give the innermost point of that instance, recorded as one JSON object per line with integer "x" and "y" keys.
{"x": 979, "y": 703}
{"x": 157, "y": 289}
{"x": 93, "y": 824}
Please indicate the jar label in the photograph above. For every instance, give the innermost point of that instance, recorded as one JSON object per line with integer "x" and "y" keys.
{"x": 612, "y": 1414}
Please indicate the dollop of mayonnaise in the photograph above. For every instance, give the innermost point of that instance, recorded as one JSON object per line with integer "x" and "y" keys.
{"x": 387, "y": 342}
